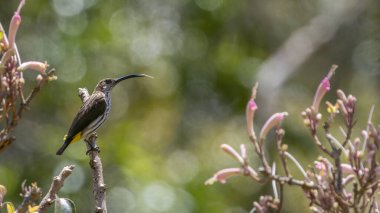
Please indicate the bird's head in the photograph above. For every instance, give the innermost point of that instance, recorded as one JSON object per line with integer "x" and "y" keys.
{"x": 107, "y": 84}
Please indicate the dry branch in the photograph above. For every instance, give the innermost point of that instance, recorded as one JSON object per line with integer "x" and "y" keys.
{"x": 56, "y": 185}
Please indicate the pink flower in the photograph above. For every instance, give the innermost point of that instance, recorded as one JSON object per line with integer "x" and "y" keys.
{"x": 250, "y": 112}
{"x": 223, "y": 175}
{"x": 323, "y": 87}
{"x": 34, "y": 65}
{"x": 346, "y": 168}
{"x": 321, "y": 167}
{"x": 15, "y": 23}
{"x": 273, "y": 121}
{"x": 231, "y": 151}
{"x": 13, "y": 27}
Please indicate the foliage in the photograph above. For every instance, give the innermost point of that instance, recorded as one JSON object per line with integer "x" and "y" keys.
{"x": 12, "y": 96}
{"x": 336, "y": 183}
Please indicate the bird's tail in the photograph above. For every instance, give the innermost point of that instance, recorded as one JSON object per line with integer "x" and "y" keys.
{"x": 63, "y": 147}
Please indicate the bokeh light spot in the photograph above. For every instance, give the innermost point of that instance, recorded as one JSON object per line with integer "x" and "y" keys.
{"x": 195, "y": 44}
{"x": 74, "y": 25}
{"x": 123, "y": 24}
{"x": 68, "y": 7}
{"x": 366, "y": 57}
{"x": 121, "y": 200}
{"x": 74, "y": 67}
{"x": 165, "y": 81}
{"x": 146, "y": 47}
{"x": 182, "y": 166}
{"x": 209, "y": 5}
{"x": 159, "y": 196}
{"x": 89, "y": 3}
{"x": 248, "y": 68}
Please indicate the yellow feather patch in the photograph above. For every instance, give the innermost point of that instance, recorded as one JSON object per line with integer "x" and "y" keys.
{"x": 77, "y": 137}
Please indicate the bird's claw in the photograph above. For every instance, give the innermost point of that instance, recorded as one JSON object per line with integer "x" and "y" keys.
{"x": 96, "y": 148}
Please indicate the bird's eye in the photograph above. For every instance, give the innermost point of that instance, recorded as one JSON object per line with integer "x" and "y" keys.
{"x": 108, "y": 81}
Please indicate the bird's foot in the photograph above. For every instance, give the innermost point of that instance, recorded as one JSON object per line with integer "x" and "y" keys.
{"x": 93, "y": 148}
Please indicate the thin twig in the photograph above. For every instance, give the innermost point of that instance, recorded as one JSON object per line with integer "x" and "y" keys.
{"x": 335, "y": 141}
{"x": 6, "y": 141}
{"x": 367, "y": 129}
{"x": 320, "y": 145}
{"x": 281, "y": 197}
{"x": 287, "y": 154}
{"x": 33, "y": 94}
{"x": 281, "y": 150}
{"x": 345, "y": 135}
{"x": 274, "y": 182}
{"x": 292, "y": 181}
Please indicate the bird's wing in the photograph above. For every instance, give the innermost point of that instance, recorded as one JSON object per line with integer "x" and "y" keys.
{"x": 94, "y": 107}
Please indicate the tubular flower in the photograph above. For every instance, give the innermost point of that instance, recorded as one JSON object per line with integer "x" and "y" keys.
{"x": 347, "y": 168}
{"x": 250, "y": 112}
{"x": 13, "y": 27}
{"x": 323, "y": 87}
{"x": 273, "y": 121}
{"x": 223, "y": 175}
{"x": 231, "y": 151}
{"x": 15, "y": 23}
{"x": 34, "y": 65}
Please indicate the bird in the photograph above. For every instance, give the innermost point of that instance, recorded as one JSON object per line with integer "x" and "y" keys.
{"x": 93, "y": 112}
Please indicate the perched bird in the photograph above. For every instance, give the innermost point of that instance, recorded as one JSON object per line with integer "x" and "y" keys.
{"x": 93, "y": 112}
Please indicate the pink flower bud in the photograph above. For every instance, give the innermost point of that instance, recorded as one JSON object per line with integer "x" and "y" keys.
{"x": 273, "y": 121}
{"x": 15, "y": 23}
{"x": 34, "y": 65}
{"x": 341, "y": 95}
{"x": 13, "y": 27}
{"x": 250, "y": 113}
{"x": 223, "y": 175}
{"x": 252, "y": 105}
{"x": 39, "y": 78}
{"x": 319, "y": 165}
{"x": 346, "y": 168}
{"x": 342, "y": 107}
{"x": 323, "y": 87}
{"x": 231, "y": 151}
{"x": 22, "y": 80}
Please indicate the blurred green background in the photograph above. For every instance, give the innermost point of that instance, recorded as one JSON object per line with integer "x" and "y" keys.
{"x": 161, "y": 141}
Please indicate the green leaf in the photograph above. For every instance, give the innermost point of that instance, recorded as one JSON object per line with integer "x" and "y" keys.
{"x": 64, "y": 205}
{"x": 1, "y": 35}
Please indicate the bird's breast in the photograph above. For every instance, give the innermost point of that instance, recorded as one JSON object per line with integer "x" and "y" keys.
{"x": 94, "y": 125}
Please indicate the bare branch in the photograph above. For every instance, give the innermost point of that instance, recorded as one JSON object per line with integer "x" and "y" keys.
{"x": 56, "y": 185}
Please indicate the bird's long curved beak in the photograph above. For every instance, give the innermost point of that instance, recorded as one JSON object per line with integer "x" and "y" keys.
{"x": 131, "y": 76}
